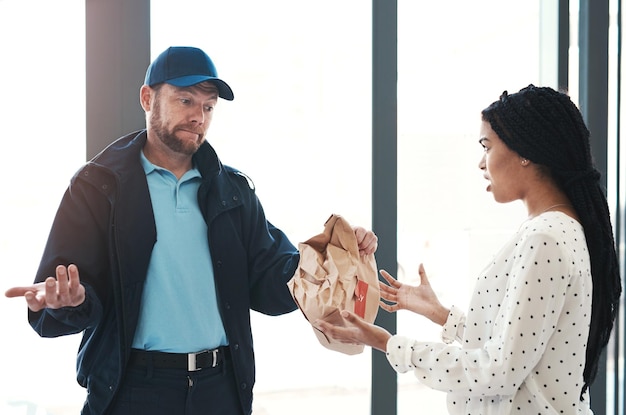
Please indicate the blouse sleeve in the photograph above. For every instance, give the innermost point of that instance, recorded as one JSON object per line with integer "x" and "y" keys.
{"x": 526, "y": 320}
{"x": 454, "y": 327}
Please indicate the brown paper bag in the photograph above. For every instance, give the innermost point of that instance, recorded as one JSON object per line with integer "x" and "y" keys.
{"x": 331, "y": 277}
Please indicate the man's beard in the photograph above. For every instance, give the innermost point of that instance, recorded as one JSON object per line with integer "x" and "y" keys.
{"x": 169, "y": 138}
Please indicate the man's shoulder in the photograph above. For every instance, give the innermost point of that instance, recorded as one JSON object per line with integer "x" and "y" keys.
{"x": 115, "y": 160}
{"x": 131, "y": 143}
{"x": 240, "y": 176}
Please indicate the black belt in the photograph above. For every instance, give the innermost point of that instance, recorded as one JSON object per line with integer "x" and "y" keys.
{"x": 189, "y": 361}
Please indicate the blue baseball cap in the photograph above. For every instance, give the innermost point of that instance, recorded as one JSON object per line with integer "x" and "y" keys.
{"x": 185, "y": 66}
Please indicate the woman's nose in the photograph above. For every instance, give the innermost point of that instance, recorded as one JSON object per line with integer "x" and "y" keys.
{"x": 481, "y": 163}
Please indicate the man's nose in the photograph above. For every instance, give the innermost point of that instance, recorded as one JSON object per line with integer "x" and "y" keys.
{"x": 198, "y": 114}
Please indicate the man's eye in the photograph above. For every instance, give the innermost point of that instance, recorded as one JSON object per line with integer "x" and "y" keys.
{"x": 208, "y": 108}
{"x": 185, "y": 101}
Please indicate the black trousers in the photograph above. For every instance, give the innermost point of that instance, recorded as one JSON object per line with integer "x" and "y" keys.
{"x": 147, "y": 390}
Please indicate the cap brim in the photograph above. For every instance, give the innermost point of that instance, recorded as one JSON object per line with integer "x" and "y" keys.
{"x": 222, "y": 87}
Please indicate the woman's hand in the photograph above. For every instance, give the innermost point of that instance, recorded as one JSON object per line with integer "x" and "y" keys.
{"x": 420, "y": 299}
{"x": 357, "y": 331}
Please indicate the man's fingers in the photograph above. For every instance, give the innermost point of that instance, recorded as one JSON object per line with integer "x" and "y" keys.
{"x": 18, "y": 291}
{"x": 34, "y": 302}
{"x": 74, "y": 280}
{"x": 360, "y": 233}
{"x": 50, "y": 291}
{"x": 370, "y": 244}
{"x": 367, "y": 240}
{"x": 62, "y": 290}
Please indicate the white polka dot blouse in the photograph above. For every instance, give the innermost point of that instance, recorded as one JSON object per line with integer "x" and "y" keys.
{"x": 521, "y": 345}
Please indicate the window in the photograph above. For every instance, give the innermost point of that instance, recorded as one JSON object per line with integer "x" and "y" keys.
{"x": 454, "y": 59}
{"x": 42, "y": 113}
{"x": 300, "y": 127}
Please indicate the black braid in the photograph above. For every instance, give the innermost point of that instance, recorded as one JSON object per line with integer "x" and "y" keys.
{"x": 545, "y": 126}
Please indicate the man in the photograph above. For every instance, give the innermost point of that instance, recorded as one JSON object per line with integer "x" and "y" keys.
{"x": 158, "y": 252}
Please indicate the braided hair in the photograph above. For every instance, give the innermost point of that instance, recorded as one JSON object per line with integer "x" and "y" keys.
{"x": 544, "y": 126}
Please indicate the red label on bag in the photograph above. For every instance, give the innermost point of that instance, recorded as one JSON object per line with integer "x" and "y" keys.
{"x": 360, "y": 294}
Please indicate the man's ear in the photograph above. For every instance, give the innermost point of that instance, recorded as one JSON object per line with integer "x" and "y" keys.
{"x": 145, "y": 95}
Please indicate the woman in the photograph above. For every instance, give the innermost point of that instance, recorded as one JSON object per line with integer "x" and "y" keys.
{"x": 543, "y": 309}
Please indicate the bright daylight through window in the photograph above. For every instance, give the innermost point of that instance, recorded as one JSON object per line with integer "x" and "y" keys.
{"x": 300, "y": 127}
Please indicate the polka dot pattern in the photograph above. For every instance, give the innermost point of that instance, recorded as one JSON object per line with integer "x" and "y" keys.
{"x": 521, "y": 345}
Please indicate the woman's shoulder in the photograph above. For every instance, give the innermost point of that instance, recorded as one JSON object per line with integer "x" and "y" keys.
{"x": 554, "y": 226}
{"x": 550, "y": 222}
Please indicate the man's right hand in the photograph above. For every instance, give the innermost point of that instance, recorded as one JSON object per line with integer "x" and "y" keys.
{"x": 63, "y": 291}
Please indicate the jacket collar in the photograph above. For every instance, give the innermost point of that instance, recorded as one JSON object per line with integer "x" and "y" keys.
{"x": 122, "y": 156}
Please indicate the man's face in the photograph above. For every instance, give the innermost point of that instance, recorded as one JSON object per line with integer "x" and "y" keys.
{"x": 180, "y": 117}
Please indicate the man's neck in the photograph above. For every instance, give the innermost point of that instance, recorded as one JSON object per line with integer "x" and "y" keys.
{"x": 162, "y": 156}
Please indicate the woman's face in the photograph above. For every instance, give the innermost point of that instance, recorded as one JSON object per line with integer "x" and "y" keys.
{"x": 501, "y": 166}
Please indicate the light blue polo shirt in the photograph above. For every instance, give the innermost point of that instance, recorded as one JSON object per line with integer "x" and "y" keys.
{"x": 179, "y": 310}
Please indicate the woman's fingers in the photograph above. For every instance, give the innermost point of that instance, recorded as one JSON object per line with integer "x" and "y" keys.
{"x": 390, "y": 279}
{"x": 390, "y": 308}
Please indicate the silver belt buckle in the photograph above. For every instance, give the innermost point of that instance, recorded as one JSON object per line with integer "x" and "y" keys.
{"x": 191, "y": 360}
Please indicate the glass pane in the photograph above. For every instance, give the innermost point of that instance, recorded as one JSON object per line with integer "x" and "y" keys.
{"x": 454, "y": 59}
{"x": 300, "y": 128}
{"x": 42, "y": 113}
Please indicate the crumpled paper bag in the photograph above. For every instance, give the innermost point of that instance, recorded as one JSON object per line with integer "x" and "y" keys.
{"x": 333, "y": 276}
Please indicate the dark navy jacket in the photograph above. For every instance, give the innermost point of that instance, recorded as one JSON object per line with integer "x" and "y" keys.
{"x": 105, "y": 226}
